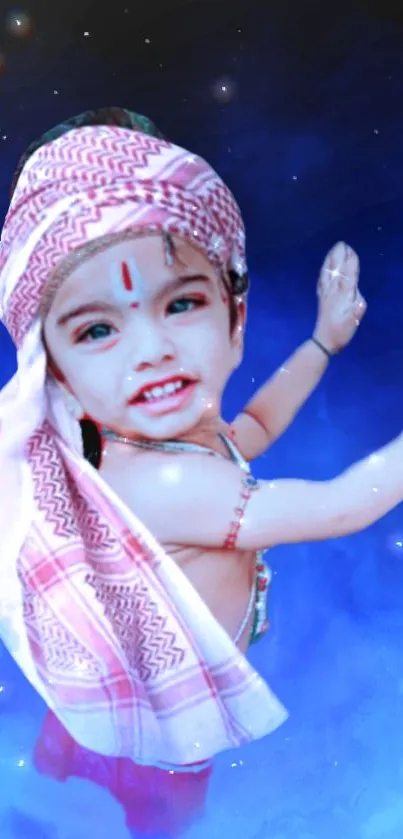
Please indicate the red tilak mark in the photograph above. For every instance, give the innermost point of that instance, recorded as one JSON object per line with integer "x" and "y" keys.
{"x": 126, "y": 277}
{"x": 224, "y": 299}
{"x": 232, "y": 434}
{"x": 134, "y": 305}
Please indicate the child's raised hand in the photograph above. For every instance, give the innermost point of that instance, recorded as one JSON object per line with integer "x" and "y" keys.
{"x": 341, "y": 306}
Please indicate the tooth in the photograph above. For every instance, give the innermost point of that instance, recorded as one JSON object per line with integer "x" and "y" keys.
{"x": 158, "y": 391}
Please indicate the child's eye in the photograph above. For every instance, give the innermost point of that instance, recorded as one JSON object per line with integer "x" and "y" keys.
{"x": 185, "y": 304}
{"x": 95, "y": 333}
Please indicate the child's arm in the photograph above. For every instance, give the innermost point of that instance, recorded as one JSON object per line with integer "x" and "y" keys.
{"x": 192, "y": 500}
{"x": 273, "y": 408}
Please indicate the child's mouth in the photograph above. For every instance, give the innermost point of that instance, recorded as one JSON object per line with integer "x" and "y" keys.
{"x": 164, "y": 397}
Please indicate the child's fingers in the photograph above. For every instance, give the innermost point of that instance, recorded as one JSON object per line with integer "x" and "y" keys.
{"x": 351, "y": 266}
{"x": 347, "y": 279}
{"x": 329, "y": 268}
{"x": 339, "y": 272}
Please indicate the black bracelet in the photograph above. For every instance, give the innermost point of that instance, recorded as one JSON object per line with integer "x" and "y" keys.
{"x": 321, "y": 347}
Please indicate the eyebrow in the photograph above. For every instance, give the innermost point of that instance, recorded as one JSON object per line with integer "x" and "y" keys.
{"x": 178, "y": 282}
{"x": 85, "y": 309}
{"x": 98, "y": 306}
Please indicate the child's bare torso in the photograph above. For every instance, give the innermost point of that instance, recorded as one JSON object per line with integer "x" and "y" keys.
{"x": 224, "y": 579}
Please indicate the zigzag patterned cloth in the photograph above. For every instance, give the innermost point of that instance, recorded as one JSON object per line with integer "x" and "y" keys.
{"x": 102, "y": 622}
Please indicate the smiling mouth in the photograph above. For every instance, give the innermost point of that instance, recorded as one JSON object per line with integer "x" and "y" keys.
{"x": 161, "y": 390}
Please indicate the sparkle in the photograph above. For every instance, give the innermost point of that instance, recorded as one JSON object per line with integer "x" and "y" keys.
{"x": 224, "y": 90}
{"x": 19, "y": 24}
{"x": 335, "y": 273}
{"x": 81, "y": 666}
{"x": 395, "y": 543}
{"x": 216, "y": 242}
{"x": 376, "y": 460}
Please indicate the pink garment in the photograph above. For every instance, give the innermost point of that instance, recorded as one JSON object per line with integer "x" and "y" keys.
{"x": 155, "y": 802}
{"x": 99, "y": 618}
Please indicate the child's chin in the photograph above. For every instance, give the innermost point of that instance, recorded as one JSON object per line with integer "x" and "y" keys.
{"x": 168, "y": 427}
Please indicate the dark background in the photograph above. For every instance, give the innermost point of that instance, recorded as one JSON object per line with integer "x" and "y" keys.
{"x": 314, "y": 92}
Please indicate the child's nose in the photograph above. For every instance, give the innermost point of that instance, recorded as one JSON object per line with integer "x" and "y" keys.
{"x": 151, "y": 346}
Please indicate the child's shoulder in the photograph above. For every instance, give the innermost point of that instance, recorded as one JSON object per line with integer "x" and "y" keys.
{"x": 162, "y": 469}
{"x": 150, "y": 477}
{"x": 161, "y": 489}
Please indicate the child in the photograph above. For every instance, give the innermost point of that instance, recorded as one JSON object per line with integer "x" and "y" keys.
{"x": 141, "y": 340}
{"x": 123, "y": 256}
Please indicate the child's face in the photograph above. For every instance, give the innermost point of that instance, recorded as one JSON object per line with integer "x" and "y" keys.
{"x": 146, "y": 348}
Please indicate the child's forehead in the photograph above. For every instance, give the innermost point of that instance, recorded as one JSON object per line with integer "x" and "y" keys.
{"x": 140, "y": 263}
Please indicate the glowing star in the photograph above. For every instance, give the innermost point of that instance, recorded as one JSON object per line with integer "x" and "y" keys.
{"x": 19, "y": 24}
{"x": 126, "y": 282}
{"x": 335, "y": 273}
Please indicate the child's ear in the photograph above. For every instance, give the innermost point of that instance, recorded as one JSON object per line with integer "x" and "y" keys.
{"x": 238, "y": 331}
{"x": 71, "y": 402}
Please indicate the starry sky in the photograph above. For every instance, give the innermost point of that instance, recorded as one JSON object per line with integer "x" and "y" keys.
{"x": 299, "y": 107}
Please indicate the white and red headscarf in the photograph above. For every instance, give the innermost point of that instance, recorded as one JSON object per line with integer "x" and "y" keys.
{"x": 99, "y": 618}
